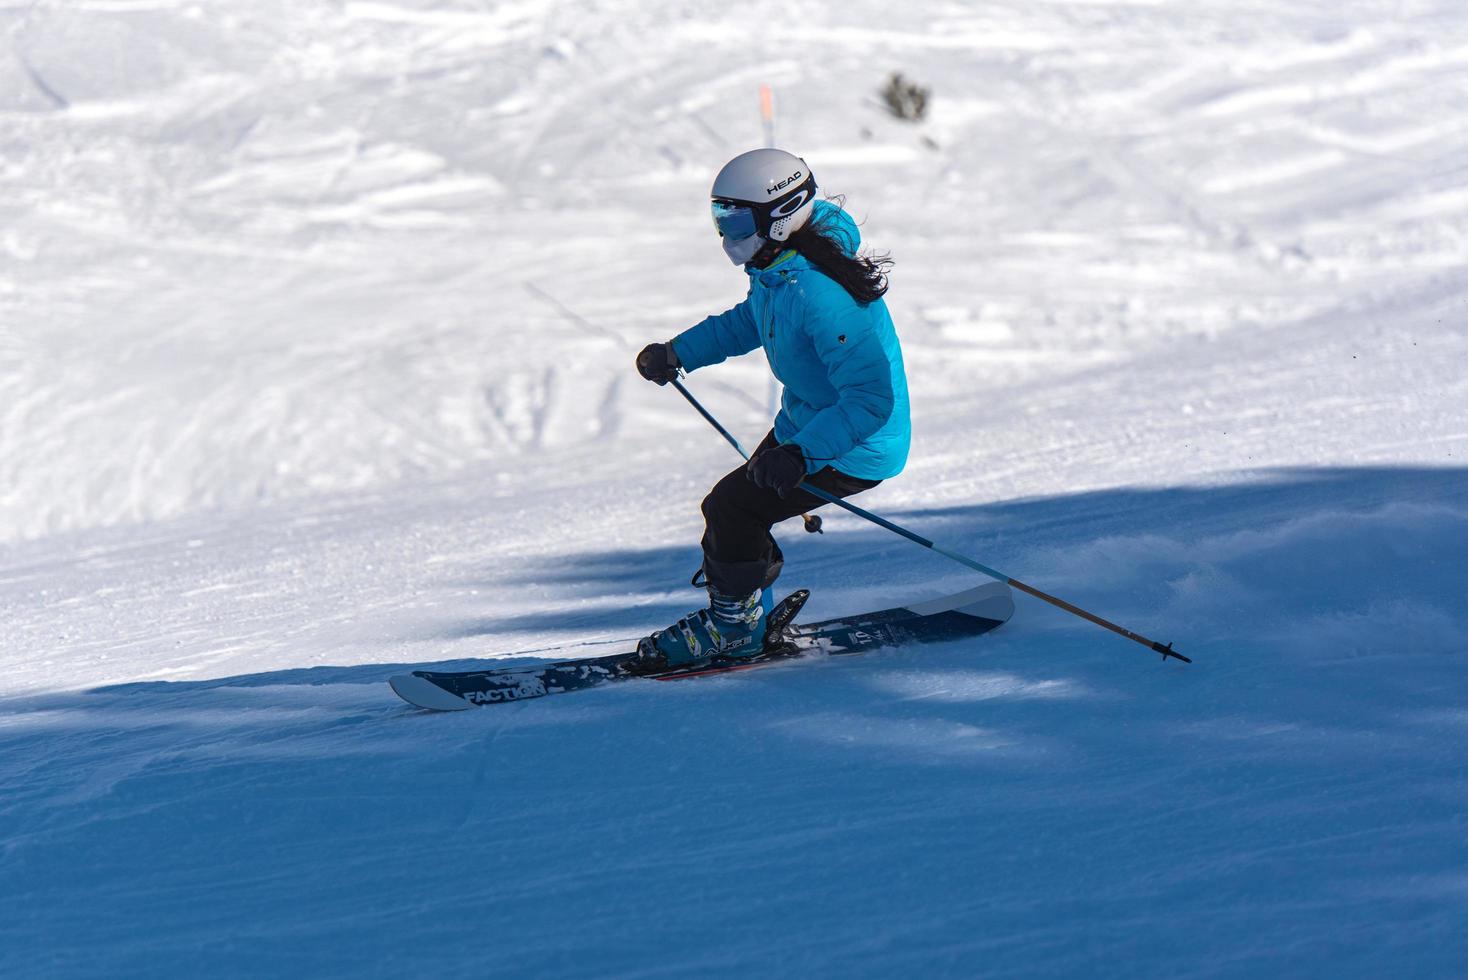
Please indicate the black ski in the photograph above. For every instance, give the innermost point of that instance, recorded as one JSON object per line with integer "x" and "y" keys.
{"x": 967, "y": 614}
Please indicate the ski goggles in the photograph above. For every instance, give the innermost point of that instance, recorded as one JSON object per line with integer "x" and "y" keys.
{"x": 734, "y": 221}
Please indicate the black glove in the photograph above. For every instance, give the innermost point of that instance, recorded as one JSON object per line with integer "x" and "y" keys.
{"x": 779, "y": 468}
{"x": 659, "y": 363}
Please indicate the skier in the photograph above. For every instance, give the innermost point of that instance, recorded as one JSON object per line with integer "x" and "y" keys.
{"x": 816, "y": 308}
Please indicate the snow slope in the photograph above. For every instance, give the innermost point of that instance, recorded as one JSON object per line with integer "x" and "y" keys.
{"x": 315, "y": 334}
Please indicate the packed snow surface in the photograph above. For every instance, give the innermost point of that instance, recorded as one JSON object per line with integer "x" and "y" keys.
{"x": 316, "y": 328}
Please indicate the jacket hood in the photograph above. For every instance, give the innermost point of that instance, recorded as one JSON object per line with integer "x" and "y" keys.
{"x": 833, "y": 221}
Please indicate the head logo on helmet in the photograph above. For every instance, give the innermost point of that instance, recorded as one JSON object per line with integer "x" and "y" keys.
{"x": 785, "y": 183}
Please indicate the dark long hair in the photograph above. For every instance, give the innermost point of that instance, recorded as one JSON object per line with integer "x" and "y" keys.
{"x": 864, "y": 277}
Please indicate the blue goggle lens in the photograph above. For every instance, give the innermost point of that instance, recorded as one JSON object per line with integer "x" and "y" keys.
{"x": 734, "y": 221}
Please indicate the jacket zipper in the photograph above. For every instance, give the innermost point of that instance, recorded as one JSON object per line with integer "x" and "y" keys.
{"x": 770, "y": 314}
{"x": 770, "y": 326}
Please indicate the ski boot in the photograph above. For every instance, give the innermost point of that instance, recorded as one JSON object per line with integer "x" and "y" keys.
{"x": 731, "y": 628}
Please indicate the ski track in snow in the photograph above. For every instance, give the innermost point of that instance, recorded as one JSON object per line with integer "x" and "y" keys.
{"x": 315, "y": 337}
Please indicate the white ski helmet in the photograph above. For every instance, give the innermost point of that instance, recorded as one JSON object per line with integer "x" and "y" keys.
{"x": 777, "y": 189}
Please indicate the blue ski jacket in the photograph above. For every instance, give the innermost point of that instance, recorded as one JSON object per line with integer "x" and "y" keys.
{"x": 845, "y": 399}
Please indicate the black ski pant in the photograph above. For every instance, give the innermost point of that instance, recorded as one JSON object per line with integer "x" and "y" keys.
{"x": 740, "y": 555}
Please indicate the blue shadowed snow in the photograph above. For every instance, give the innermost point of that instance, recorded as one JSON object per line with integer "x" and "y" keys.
{"x": 1048, "y": 800}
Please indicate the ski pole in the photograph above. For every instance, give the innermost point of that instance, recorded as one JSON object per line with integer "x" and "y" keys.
{"x": 1166, "y": 651}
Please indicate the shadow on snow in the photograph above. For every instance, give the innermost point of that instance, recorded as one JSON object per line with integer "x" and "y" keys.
{"x": 1318, "y": 734}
